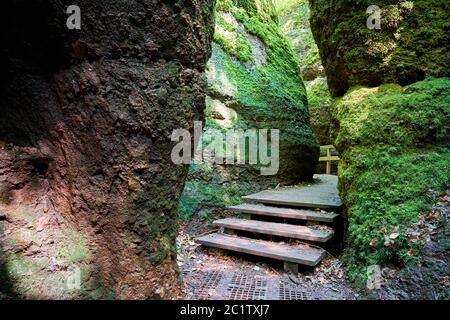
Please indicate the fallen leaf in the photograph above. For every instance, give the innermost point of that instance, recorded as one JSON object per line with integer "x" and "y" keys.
{"x": 394, "y": 235}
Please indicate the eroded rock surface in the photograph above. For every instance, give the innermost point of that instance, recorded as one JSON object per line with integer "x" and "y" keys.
{"x": 88, "y": 192}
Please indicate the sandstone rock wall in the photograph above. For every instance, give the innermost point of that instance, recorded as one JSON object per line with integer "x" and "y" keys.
{"x": 87, "y": 186}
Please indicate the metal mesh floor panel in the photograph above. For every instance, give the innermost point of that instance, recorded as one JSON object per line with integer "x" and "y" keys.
{"x": 225, "y": 285}
{"x": 242, "y": 287}
{"x": 210, "y": 281}
{"x": 290, "y": 291}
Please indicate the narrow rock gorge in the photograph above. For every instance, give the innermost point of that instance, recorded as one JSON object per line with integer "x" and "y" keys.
{"x": 97, "y": 98}
{"x": 294, "y": 21}
{"x": 88, "y": 191}
{"x": 254, "y": 82}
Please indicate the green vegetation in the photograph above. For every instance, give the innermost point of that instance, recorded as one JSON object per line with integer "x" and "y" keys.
{"x": 318, "y": 95}
{"x": 74, "y": 249}
{"x": 282, "y": 60}
{"x": 413, "y": 42}
{"x": 394, "y": 149}
{"x": 285, "y": 7}
{"x": 259, "y": 91}
{"x": 254, "y": 81}
{"x": 240, "y": 49}
{"x": 269, "y": 93}
{"x": 412, "y": 116}
{"x": 393, "y": 136}
{"x": 319, "y": 100}
{"x": 294, "y": 20}
{"x": 209, "y": 195}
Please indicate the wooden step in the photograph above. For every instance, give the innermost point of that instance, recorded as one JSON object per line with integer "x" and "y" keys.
{"x": 322, "y": 194}
{"x": 298, "y": 214}
{"x": 277, "y": 229}
{"x": 301, "y": 254}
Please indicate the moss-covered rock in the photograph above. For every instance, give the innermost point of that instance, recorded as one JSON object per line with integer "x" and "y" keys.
{"x": 389, "y": 120}
{"x": 319, "y": 100}
{"x": 393, "y": 143}
{"x": 294, "y": 23}
{"x": 413, "y": 41}
{"x": 254, "y": 82}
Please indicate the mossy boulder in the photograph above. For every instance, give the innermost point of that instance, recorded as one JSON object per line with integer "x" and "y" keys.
{"x": 412, "y": 43}
{"x": 389, "y": 119}
{"x": 254, "y": 81}
{"x": 393, "y": 143}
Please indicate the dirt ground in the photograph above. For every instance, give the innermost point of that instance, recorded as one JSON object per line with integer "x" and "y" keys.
{"x": 215, "y": 274}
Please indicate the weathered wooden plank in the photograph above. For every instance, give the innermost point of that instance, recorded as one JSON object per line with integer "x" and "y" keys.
{"x": 298, "y": 214}
{"x": 329, "y": 158}
{"x": 296, "y": 254}
{"x": 277, "y": 229}
{"x": 323, "y": 194}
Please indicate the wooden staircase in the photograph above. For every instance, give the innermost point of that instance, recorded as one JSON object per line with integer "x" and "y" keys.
{"x": 286, "y": 213}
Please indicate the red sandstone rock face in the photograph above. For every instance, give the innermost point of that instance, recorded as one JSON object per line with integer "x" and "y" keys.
{"x": 86, "y": 179}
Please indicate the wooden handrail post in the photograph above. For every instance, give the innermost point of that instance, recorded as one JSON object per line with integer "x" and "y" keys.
{"x": 329, "y": 161}
{"x": 328, "y": 158}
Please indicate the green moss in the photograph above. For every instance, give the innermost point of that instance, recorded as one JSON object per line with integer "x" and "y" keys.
{"x": 319, "y": 101}
{"x": 265, "y": 26}
{"x": 313, "y": 54}
{"x": 264, "y": 9}
{"x": 74, "y": 249}
{"x": 220, "y": 21}
{"x": 386, "y": 187}
{"x": 318, "y": 95}
{"x": 394, "y": 149}
{"x": 260, "y": 90}
{"x": 413, "y": 42}
{"x": 269, "y": 94}
{"x": 18, "y": 266}
{"x": 243, "y": 48}
{"x": 240, "y": 48}
{"x": 209, "y": 193}
{"x": 294, "y": 22}
{"x": 285, "y": 7}
{"x": 390, "y": 114}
